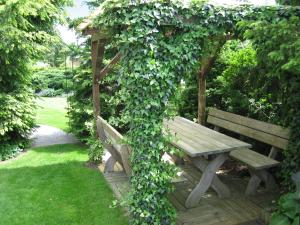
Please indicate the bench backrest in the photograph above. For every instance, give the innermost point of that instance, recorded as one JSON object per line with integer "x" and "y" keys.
{"x": 112, "y": 140}
{"x": 271, "y": 134}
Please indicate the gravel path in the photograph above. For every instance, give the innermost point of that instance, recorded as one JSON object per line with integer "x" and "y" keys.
{"x": 46, "y": 135}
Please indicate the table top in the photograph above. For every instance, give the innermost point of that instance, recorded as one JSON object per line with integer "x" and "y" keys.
{"x": 197, "y": 140}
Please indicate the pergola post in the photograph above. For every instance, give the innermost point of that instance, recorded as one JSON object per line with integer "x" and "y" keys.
{"x": 98, "y": 49}
{"x": 206, "y": 65}
{"x": 201, "y": 97}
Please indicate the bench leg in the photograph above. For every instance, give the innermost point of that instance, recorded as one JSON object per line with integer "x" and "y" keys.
{"x": 177, "y": 160}
{"x": 258, "y": 176}
{"x": 207, "y": 178}
{"x": 110, "y": 165}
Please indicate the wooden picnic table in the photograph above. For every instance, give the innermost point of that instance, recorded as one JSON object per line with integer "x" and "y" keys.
{"x": 208, "y": 150}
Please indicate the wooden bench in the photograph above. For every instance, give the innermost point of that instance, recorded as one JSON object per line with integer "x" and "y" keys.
{"x": 258, "y": 164}
{"x": 113, "y": 141}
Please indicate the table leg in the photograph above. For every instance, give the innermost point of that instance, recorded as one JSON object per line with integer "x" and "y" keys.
{"x": 110, "y": 165}
{"x": 208, "y": 179}
{"x": 221, "y": 189}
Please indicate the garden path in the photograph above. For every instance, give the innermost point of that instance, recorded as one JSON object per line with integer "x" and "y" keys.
{"x": 45, "y": 135}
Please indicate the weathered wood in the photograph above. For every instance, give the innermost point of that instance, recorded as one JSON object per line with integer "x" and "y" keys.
{"x": 274, "y": 135}
{"x": 109, "y": 66}
{"x": 97, "y": 35}
{"x": 257, "y": 176}
{"x": 221, "y": 189}
{"x": 110, "y": 165}
{"x": 253, "y": 159}
{"x": 105, "y": 141}
{"x": 202, "y": 95}
{"x": 119, "y": 151}
{"x": 250, "y": 132}
{"x": 205, "y": 181}
{"x": 207, "y": 63}
{"x": 125, "y": 155}
{"x": 197, "y": 140}
{"x": 251, "y": 123}
{"x": 98, "y": 48}
{"x": 239, "y": 209}
{"x": 116, "y": 136}
{"x": 273, "y": 152}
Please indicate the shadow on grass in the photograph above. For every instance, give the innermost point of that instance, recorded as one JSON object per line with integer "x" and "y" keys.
{"x": 63, "y": 193}
{"x": 62, "y": 148}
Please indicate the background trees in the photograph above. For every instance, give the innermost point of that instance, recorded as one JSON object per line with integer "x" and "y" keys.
{"x": 26, "y": 27}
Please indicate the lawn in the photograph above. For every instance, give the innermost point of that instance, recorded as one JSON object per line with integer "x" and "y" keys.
{"x": 52, "y": 186}
{"x": 52, "y": 112}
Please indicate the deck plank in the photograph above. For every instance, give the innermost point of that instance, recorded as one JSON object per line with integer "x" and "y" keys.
{"x": 236, "y": 210}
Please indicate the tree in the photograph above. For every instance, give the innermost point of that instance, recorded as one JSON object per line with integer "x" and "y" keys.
{"x": 26, "y": 27}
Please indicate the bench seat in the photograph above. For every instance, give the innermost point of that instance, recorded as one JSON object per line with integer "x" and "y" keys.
{"x": 258, "y": 164}
{"x": 253, "y": 159}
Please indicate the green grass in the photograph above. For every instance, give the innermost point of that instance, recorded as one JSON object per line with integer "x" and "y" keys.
{"x": 52, "y": 186}
{"x": 52, "y": 112}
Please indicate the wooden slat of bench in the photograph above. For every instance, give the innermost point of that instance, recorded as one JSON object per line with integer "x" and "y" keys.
{"x": 253, "y": 159}
{"x": 119, "y": 152}
{"x": 251, "y": 123}
{"x": 111, "y": 131}
{"x": 249, "y": 132}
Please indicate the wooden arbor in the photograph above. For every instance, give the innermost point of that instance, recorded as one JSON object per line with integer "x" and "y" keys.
{"x": 99, "y": 38}
{"x": 98, "y": 43}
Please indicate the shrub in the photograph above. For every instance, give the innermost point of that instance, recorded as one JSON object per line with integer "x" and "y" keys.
{"x": 8, "y": 151}
{"x": 49, "y": 82}
{"x": 25, "y": 27}
{"x": 96, "y": 148}
{"x": 288, "y": 211}
{"x": 16, "y": 121}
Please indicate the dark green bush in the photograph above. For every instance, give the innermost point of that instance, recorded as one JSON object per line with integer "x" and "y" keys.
{"x": 9, "y": 151}
{"x": 288, "y": 212}
{"x": 16, "y": 121}
{"x": 49, "y": 82}
{"x": 25, "y": 27}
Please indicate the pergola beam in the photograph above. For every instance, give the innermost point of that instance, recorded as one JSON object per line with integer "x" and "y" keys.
{"x": 110, "y": 66}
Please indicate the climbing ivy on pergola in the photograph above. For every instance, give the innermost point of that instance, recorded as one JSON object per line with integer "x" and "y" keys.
{"x": 158, "y": 43}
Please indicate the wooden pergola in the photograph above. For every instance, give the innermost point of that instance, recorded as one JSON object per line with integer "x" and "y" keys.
{"x": 100, "y": 38}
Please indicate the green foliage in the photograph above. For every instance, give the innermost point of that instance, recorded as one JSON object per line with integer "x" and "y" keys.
{"x": 8, "y": 151}
{"x": 289, "y": 2}
{"x": 49, "y": 82}
{"x": 277, "y": 44}
{"x": 80, "y": 112}
{"x": 288, "y": 211}
{"x": 96, "y": 148}
{"x": 16, "y": 121}
{"x": 25, "y": 27}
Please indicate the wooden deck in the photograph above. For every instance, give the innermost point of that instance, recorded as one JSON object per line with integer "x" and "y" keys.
{"x": 236, "y": 210}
